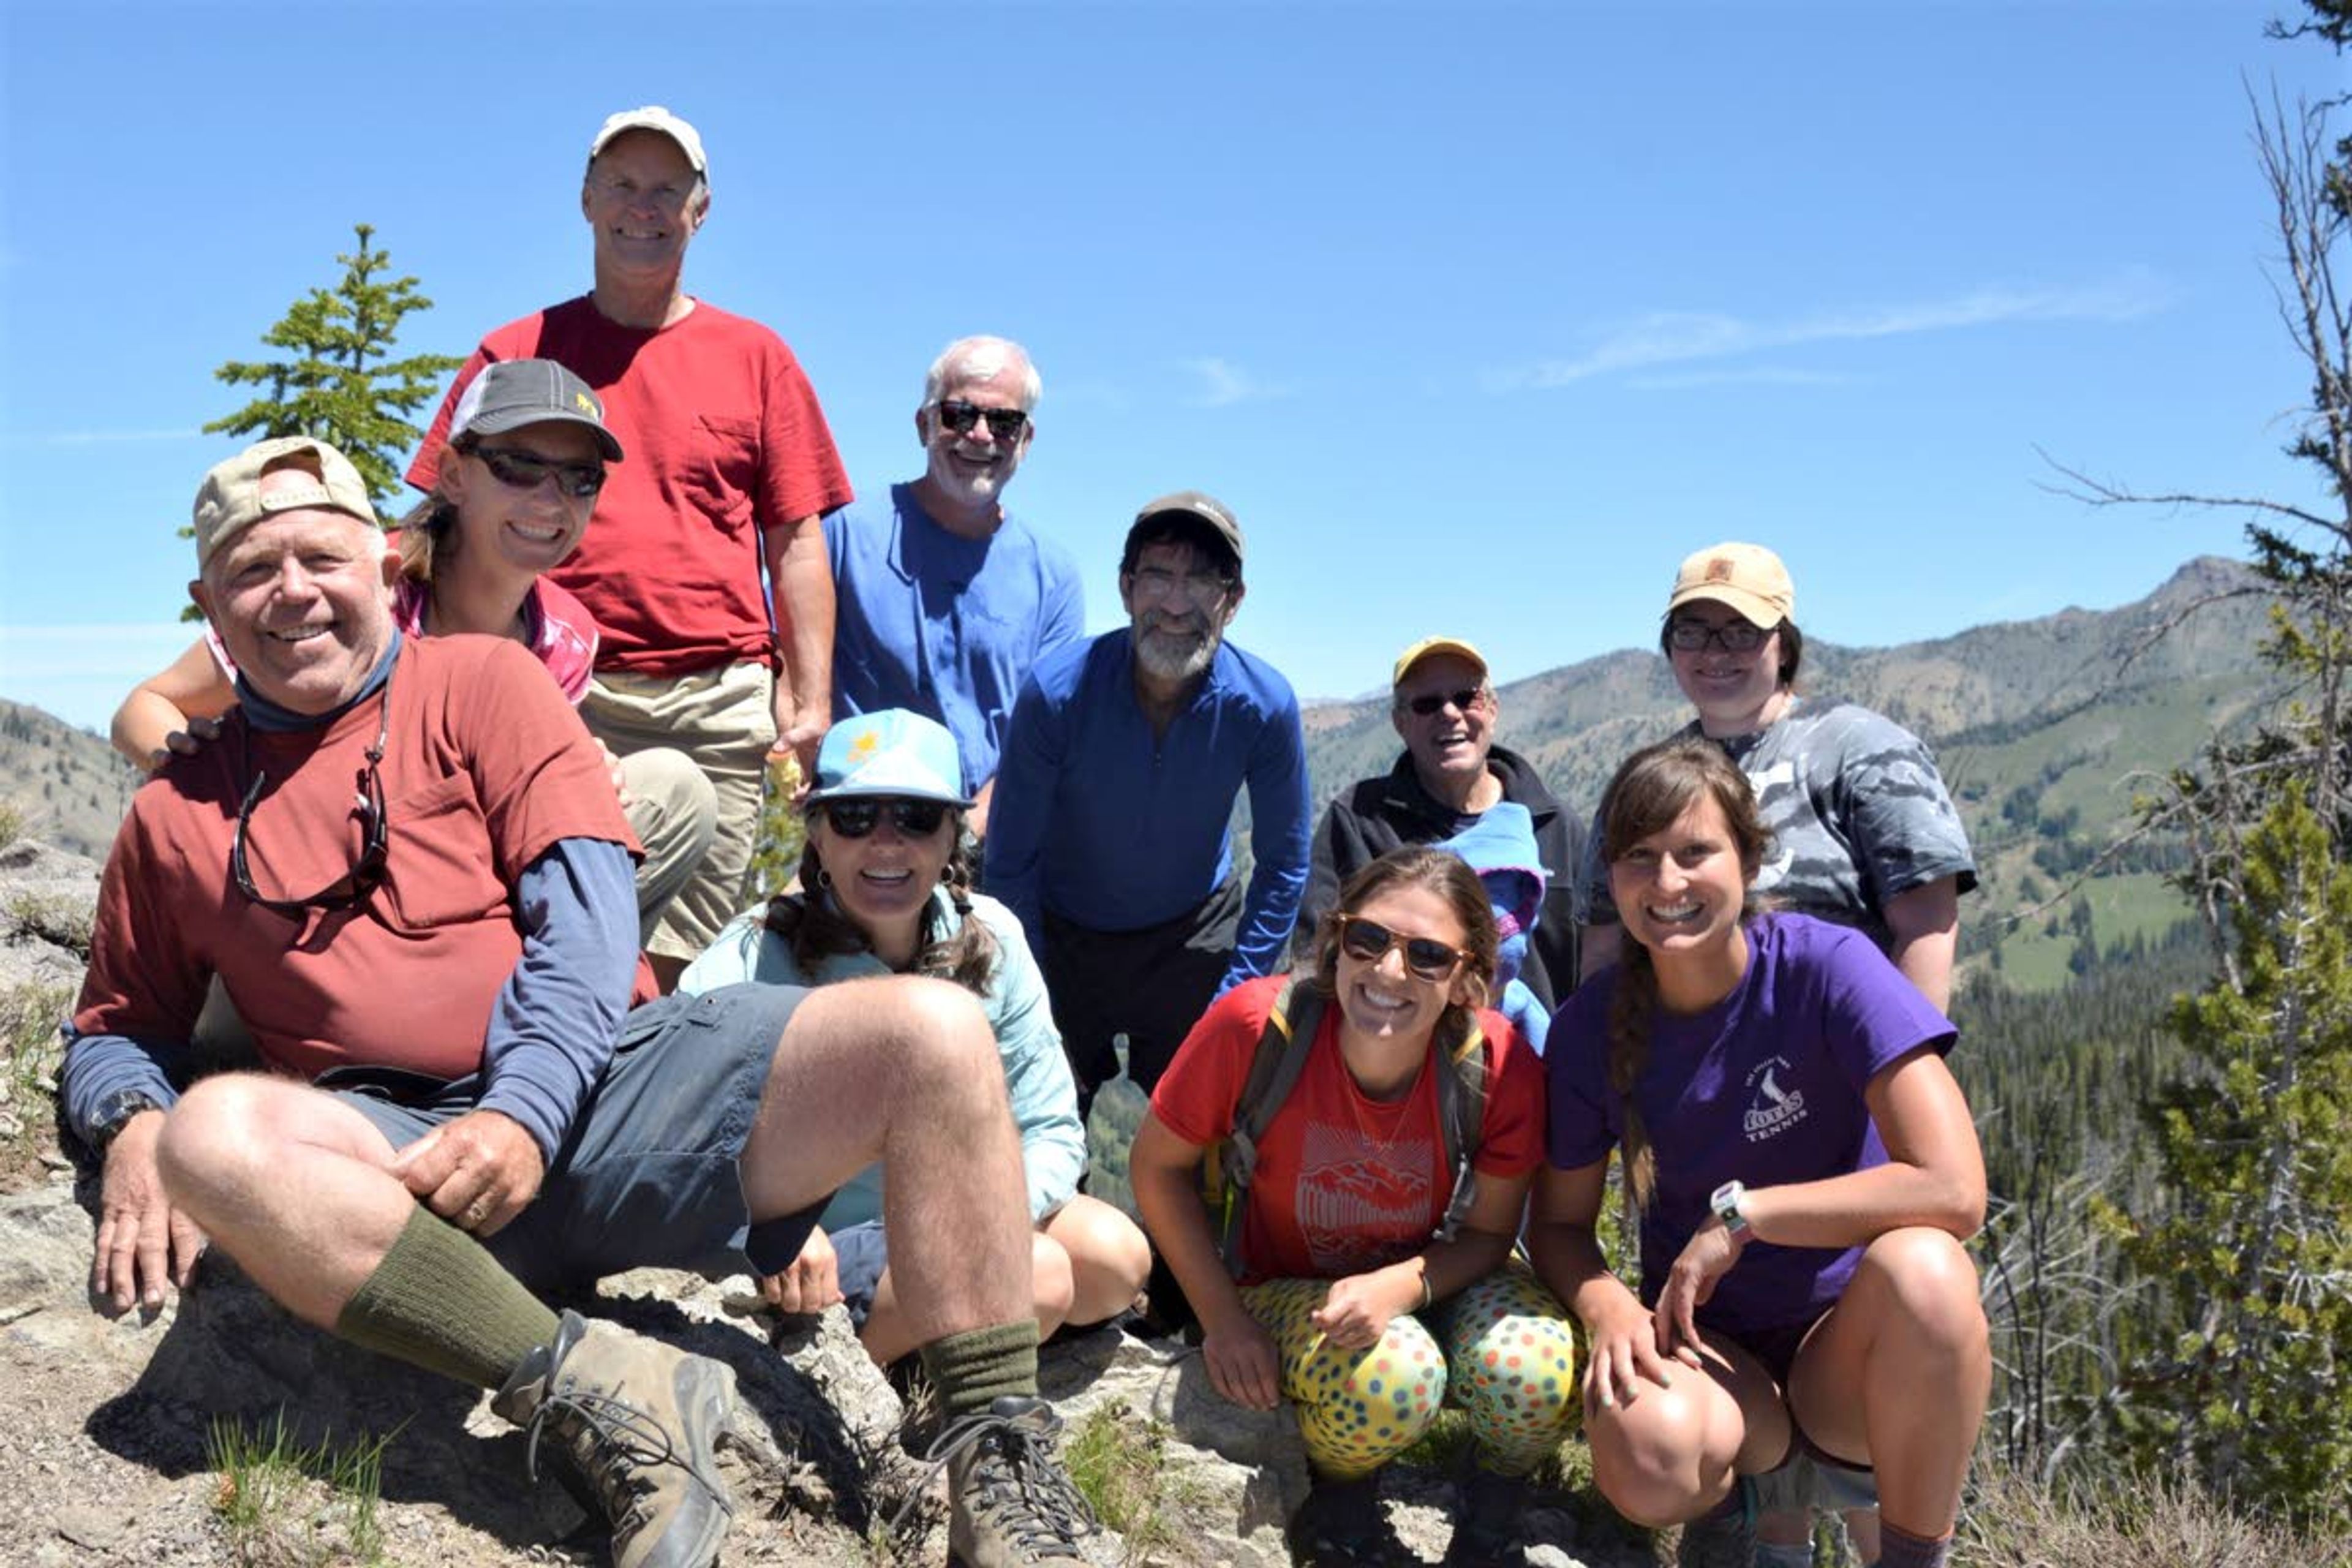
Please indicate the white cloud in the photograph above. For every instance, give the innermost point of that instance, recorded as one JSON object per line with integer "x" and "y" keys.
{"x": 1688, "y": 337}
{"x": 1760, "y": 375}
{"x": 1224, "y": 383}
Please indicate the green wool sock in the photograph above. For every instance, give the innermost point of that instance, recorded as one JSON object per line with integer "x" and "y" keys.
{"x": 974, "y": 1369}
{"x": 440, "y": 1301}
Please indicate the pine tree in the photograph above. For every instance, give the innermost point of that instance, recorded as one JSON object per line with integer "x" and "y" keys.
{"x": 341, "y": 387}
{"x": 2253, "y": 1392}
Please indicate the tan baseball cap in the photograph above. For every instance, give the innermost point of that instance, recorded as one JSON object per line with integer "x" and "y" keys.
{"x": 1199, "y": 505}
{"x": 653, "y": 117}
{"x": 230, "y": 501}
{"x": 1747, "y": 577}
{"x": 1426, "y": 646}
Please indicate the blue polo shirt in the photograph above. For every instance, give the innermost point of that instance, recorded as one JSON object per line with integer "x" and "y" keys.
{"x": 945, "y": 626}
{"x": 1114, "y": 828}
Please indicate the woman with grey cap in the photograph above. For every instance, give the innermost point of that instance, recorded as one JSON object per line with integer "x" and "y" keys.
{"x": 885, "y": 888}
{"x": 533, "y": 448}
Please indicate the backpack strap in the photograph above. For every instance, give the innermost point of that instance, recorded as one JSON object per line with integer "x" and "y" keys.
{"x": 1275, "y": 1069}
{"x": 1461, "y": 1118}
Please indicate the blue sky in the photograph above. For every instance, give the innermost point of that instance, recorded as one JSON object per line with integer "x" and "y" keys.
{"x": 1481, "y": 316}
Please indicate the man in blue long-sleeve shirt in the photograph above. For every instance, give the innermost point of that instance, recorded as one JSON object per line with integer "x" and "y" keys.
{"x": 456, "y": 1105}
{"x": 1116, "y": 791}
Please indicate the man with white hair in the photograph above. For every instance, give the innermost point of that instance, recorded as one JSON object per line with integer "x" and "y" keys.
{"x": 945, "y": 599}
{"x": 405, "y": 860}
{"x": 730, "y": 468}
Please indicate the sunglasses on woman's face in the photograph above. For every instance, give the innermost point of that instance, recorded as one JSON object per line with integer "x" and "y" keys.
{"x": 527, "y": 470}
{"x": 1424, "y": 959}
{"x": 912, "y": 819}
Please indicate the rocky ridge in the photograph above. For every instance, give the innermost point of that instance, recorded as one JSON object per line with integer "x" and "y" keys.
{"x": 109, "y": 1459}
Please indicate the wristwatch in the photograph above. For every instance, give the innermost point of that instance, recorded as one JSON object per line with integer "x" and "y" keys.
{"x": 115, "y": 1114}
{"x": 1726, "y": 1204}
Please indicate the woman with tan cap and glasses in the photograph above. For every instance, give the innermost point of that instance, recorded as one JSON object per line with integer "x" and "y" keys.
{"x": 1863, "y": 833}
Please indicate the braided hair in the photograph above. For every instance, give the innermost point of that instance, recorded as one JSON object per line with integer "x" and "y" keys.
{"x": 1649, "y": 793}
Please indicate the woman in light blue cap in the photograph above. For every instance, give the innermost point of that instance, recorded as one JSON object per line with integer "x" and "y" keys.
{"x": 886, "y": 887}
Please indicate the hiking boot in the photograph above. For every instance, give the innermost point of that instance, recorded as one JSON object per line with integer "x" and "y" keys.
{"x": 1341, "y": 1525}
{"x": 638, "y": 1421}
{"x": 1009, "y": 1501}
{"x": 1725, "y": 1538}
{"x": 1486, "y": 1512}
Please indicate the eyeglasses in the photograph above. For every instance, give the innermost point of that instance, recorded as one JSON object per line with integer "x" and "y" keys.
{"x": 1733, "y": 637}
{"x": 1005, "y": 424}
{"x": 1436, "y": 702}
{"x": 366, "y": 875}
{"x": 1424, "y": 957}
{"x": 912, "y": 819}
{"x": 527, "y": 470}
{"x": 1155, "y": 584}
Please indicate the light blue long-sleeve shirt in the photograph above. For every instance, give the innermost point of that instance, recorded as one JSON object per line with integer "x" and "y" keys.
{"x": 1036, "y": 1073}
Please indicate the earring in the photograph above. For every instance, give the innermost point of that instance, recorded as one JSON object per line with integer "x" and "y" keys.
{"x": 947, "y": 874}
{"x": 824, "y": 878}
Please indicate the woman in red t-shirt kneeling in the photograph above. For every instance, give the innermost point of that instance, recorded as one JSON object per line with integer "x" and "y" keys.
{"x": 1351, "y": 1300}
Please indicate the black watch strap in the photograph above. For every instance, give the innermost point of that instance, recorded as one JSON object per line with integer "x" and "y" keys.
{"x": 116, "y": 1114}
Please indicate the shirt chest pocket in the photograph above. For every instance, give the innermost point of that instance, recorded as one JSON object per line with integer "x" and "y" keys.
{"x": 722, "y": 469}
{"x": 440, "y": 869}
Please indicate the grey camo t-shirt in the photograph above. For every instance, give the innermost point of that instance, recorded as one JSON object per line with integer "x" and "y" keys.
{"x": 1857, "y": 810}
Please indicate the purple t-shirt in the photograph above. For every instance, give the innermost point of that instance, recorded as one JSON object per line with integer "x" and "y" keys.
{"x": 1764, "y": 1087}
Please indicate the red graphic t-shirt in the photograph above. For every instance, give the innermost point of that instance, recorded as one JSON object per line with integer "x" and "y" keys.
{"x": 1344, "y": 1184}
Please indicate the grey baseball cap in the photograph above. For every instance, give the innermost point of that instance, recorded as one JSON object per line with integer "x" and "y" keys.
{"x": 512, "y": 393}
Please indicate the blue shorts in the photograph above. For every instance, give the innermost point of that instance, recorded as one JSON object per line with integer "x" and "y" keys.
{"x": 646, "y": 1176}
{"x": 860, "y": 1254}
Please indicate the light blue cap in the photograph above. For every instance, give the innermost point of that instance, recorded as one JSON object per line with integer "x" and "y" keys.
{"x": 892, "y": 753}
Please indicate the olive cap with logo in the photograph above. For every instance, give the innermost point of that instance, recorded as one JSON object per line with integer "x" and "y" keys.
{"x": 230, "y": 501}
{"x": 1747, "y": 577}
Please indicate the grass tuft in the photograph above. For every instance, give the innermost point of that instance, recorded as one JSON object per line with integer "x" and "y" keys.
{"x": 30, "y": 1050}
{"x": 1119, "y": 1462}
{"x": 2009, "y": 1520}
{"x": 285, "y": 1505}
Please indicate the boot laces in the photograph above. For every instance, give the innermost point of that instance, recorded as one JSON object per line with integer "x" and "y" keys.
{"x": 1016, "y": 1484}
{"x": 625, "y": 1446}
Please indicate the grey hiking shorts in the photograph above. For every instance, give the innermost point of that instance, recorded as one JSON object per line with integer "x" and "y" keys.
{"x": 647, "y": 1177}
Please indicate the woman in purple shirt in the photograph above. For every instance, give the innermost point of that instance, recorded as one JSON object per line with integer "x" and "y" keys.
{"x": 1805, "y": 1170}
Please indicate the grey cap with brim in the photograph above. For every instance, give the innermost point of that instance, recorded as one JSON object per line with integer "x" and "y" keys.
{"x": 511, "y": 393}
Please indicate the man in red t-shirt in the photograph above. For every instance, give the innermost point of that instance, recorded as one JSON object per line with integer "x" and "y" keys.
{"x": 403, "y": 859}
{"x": 730, "y": 467}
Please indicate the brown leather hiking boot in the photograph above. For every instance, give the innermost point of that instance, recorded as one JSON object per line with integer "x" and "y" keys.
{"x": 639, "y": 1422}
{"x": 1009, "y": 1504}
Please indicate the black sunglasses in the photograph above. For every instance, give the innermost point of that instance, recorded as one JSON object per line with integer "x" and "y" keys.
{"x": 367, "y": 874}
{"x": 912, "y": 819}
{"x": 527, "y": 470}
{"x": 1466, "y": 698}
{"x": 1735, "y": 636}
{"x": 1424, "y": 957}
{"x": 1005, "y": 424}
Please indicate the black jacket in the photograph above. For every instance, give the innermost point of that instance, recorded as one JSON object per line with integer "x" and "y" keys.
{"x": 1374, "y": 815}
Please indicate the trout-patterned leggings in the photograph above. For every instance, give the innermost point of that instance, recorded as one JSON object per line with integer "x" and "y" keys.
{"x": 1507, "y": 1359}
